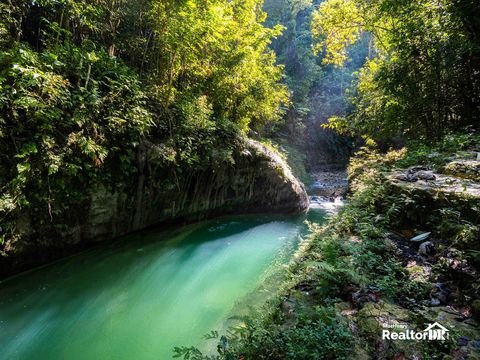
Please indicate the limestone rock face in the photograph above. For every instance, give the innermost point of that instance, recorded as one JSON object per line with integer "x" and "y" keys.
{"x": 432, "y": 196}
{"x": 447, "y": 185}
{"x": 255, "y": 180}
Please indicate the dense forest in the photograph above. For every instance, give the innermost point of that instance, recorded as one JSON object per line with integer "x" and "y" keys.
{"x": 145, "y": 112}
{"x": 317, "y": 90}
{"x": 85, "y": 83}
{"x": 422, "y": 75}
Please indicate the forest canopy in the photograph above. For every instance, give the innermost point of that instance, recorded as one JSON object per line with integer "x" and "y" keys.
{"x": 422, "y": 78}
{"x": 83, "y": 83}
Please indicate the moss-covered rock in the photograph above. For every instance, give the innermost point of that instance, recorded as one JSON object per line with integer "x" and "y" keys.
{"x": 255, "y": 179}
{"x": 465, "y": 169}
{"x": 442, "y": 185}
{"x": 373, "y": 318}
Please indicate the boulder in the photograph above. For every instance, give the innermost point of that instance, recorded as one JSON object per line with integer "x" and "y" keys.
{"x": 426, "y": 249}
{"x": 447, "y": 186}
{"x": 465, "y": 169}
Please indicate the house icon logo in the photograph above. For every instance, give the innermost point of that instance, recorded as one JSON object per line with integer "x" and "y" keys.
{"x": 436, "y": 331}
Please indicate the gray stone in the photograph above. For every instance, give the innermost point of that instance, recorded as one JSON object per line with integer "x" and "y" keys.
{"x": 425, "y": 175}
{"x": 463, "y": 341}
{"x": 434, "y": 302}
{"x": 258, "y": 180}
{"x": 465, "y": 169}
{"x": 426, "y": 249}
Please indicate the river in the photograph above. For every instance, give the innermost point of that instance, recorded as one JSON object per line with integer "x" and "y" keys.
{"x": 140, "y": 296}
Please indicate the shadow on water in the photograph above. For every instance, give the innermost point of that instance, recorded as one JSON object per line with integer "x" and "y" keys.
{"x": 141, "y": 296}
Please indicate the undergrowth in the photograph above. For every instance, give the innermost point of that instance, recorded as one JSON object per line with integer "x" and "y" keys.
{"x": 352, "y": 262}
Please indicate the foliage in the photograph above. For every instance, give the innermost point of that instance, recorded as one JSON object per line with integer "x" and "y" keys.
{"x": 295, "y": 158}
{"x": 421, "y": 79}
{"x": 218, "y": 51}
{"x": 352, "y": 254}
{"x": 421, "y": 154}
{"x": 318, "y": 90}
{"x": 85, "y": 84}
{"x": 320, "y": 340}
{"x": 57, "y": 136}
{"x": 326, "y": 337}
{"x": 343, "y": 19}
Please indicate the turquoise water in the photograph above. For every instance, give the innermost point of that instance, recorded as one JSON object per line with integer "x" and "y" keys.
{"x": 139, "y": 297}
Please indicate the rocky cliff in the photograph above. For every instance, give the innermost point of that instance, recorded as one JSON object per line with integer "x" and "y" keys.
{"x": 255, "y": 179}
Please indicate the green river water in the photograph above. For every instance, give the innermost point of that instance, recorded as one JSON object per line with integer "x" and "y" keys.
{"x": 139, "y": 297}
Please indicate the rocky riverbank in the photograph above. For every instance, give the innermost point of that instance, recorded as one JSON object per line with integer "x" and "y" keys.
{"x": 328, "y": 189}
{"x": 256, "y": 179}
{"x": 329, "y": 183}
{"x": 402, "y": 255}
{"x": 403, "y": 252}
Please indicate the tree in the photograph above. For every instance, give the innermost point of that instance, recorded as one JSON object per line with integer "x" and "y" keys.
{"x": 414, "y": 83}
{"x": 83, "y": 83}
